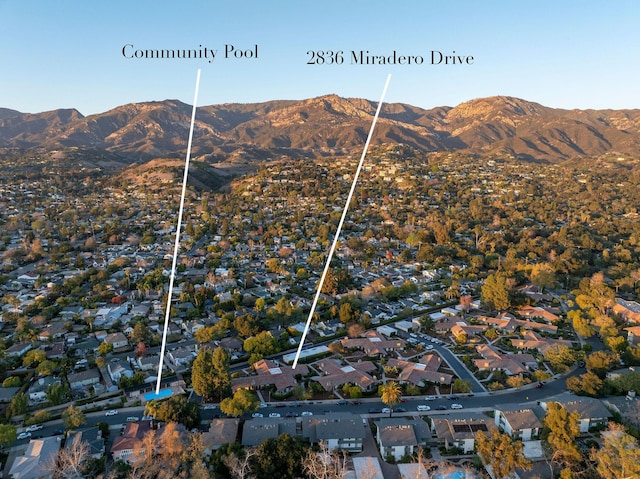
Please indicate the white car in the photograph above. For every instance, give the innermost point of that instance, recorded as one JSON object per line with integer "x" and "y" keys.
{"x": 24, "y": 435}
{"x": 306, "y": 413}
{"x": 133, "y": 419}
{"x": 386, "y": 410}
{"x": 257, "y": 414}
{"x": 456, "y": 406}
{"x": 274, "y": 414}
{"x": 113, "y": 412}
{"x": 263, "y": 405}
{"x": 35, "y": 427}
{"x": 424, "y": 407}
{"x": 210, "y": 406}
{"x": 430, "y": 398}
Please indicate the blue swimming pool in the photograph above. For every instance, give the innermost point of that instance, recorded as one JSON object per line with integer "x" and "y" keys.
{"x": 454, "y": 475}
{"x": 162, "y": 394}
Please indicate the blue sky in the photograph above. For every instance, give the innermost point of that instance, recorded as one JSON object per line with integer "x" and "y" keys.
{"x": 567, "y": 54}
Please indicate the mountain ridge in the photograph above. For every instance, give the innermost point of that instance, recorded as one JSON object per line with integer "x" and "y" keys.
{"x": 326, "y": 125}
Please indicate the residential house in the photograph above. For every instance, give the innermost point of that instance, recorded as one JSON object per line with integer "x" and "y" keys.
{"x": 337, "y": 430}
{"x": 38, "y": 390}
{"x": 268, "y": 373}
{"x": 533, "y": 340}
{"x": 460, "y": 431}
{"x": 398, "y": 437}
{"x": 463, "y": 329}
{"x": 181, "y": 356}
{"x": 18, "y": 349}
{"x": 259, "y": 429}
{"x": 221, "y": 431}
{"x": 538, "y": 312}
{"x": 633, "y": 335}
{"x": 119, "y": 369}
{"x": 117, "y": 340}
{"x": 373, "y": 344}
{"x": 366, "y": 468}
{"x": 511, "y": 364}
{"x": 83, "y": 379}
{"x": 592, "y": 411}
{"x": 518, "y": 422}
{"x": 132, "y": 436}
{"x": 627, "y": 310}
{"x": 335, "y": 374}
{"x": 422, "y": 372}
{"x": 92, "y": 436}
{"x": 149, "y": 363}
{"x": 192, "y": 326}
{"x": 36, "y": 461}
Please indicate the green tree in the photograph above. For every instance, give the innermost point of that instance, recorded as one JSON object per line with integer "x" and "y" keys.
{"x": 178, "y": 409}
{"x": 495, "y": 293}
{"x": 281, "y": 458}
{"x": 221, "y": 378}
{"x": 502, "y": 454}
{"x": 18, "y": 405}
{"x": 56, "y": 393}
{"x": 599, "y": 362}
{"x": 390, "y": 394}
{"x": 543, "y": 275}
{"x": 560, "y": 431}
{"x": 201, "y": 374}
{"x": 619, "y": 456}
{"x": 560, "y": 357}
{"x": 105, "y": 348}
{"x": 11, "y": 382}
{"x": 461, "y": 386}
{"x": 586, "y": 384}
{"x": 73, "y": 418}
{"x": 242, "y": 402}
{"x": 260, "y": 345}
{"x": 8, "y": 434}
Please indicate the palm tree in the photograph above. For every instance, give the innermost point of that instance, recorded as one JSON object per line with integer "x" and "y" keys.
{"x": 390, "y": 393}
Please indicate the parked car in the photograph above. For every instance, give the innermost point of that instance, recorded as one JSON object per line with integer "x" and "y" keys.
{"x": 257, "y": 414}
{"x": 133, "y": 419}
{"x": 386, "y": 410}
{"x": 210, "y": 406}
{"x": 399, "y": 409}
{"x": 430, "y": 398}
{"x": 35, "y": 427}
{"x": 342, "y": 402}
{"x": 456, "y": 406}
{"x": 539, "y": 385}
{"x": 441, "y": 408}
{"x": 307, "y": 413}
{"x": 24, "y": 435}
{"x": 112, "y": 412}
{"x": 423, "y": 407}
{"x": 375, "y": 410}
{"x": 274, "y": 414}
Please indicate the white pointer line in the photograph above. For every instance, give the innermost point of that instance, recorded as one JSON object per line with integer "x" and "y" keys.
{"x": 344, "y": 214}
{"x": 176, "y": 246}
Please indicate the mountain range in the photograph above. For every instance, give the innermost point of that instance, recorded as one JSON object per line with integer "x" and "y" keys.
{"x": 326, "y": 125}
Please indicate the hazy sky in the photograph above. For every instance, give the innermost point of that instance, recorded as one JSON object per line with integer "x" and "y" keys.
{"x": 569, "y": 54}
